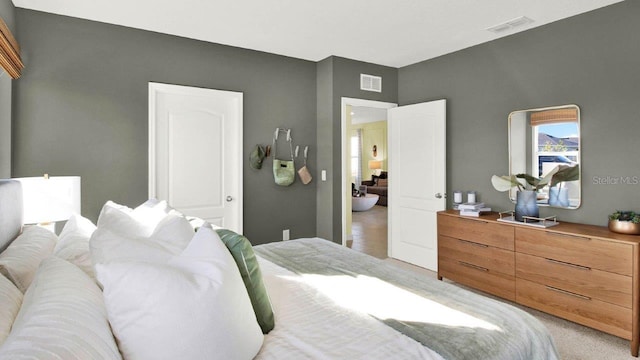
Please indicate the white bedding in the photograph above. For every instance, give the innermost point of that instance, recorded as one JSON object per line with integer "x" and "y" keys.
{"x": 309, "y": 325}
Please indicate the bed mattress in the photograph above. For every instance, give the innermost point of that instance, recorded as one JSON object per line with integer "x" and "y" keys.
{"x": 331, "y": 302}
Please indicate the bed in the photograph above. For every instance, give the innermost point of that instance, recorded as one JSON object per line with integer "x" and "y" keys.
{"x": 327, "y": 302}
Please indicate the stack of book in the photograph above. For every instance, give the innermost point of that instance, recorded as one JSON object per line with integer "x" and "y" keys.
{"x": 473, "y": 209}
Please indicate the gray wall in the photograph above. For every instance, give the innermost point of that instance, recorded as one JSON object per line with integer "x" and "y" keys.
{"x": 81, "y": 109}
{"x": 338, "y": 78}
{"x": 325, "y": 140}
{"x": 7, "y": 13}
{"x": 590, "y": 60}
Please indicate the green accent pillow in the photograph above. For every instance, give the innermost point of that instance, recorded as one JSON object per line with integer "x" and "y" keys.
{"x": 245, "y": 258}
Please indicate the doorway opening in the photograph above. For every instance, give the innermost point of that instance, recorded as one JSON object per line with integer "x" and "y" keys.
{"x": 364, "y": 176}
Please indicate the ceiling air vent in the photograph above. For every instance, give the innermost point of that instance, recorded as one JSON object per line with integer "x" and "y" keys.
{"x": 511, "y": 24}
{"x": 370, "y": 83}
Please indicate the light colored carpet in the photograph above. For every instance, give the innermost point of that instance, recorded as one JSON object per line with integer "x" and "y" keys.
{"x": 574, "y": 342}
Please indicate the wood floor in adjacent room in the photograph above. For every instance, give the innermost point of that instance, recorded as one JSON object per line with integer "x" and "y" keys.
{"x": 369, "y": 231}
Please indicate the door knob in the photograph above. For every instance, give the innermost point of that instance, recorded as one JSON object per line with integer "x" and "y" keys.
{"x": 438, "y": 196}
{"x": 229, "y": 199}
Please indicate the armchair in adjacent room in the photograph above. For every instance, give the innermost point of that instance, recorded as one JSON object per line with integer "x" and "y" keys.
{"x": 378, "y": 185}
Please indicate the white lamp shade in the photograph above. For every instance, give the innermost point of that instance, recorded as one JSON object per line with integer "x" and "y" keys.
{"x": 50, "y": 199}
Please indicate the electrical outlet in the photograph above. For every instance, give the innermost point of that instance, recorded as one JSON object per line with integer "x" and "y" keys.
{"x": 285, "y": 234}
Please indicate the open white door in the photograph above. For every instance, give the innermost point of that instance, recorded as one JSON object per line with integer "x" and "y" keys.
{"x": 195, "y": 145}
{"x": 417, "y": 175}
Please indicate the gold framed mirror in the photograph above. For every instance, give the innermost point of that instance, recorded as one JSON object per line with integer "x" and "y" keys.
{"x": 542, "y": 139}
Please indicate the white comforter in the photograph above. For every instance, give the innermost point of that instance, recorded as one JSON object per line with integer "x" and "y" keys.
{"x": 310, "y": 325}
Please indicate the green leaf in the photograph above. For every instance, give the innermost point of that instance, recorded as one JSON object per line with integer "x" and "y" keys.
{"x": 504, "y": 183}
{"x": 532, "y": 181}
{"x": 565, "y": 173}
{"x": 537, "y": 183}
{"x": 547, "y": 178}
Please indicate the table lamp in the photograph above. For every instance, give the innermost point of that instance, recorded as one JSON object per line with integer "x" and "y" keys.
{"x": 50, "y": 199}
{"x": 375, "y": 165}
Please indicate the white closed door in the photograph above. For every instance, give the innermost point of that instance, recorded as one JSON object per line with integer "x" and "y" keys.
{"x": 417, "y": 174}
{"x": 195, "y": 151}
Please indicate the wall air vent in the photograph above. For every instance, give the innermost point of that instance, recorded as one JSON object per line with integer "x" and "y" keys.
{"x": 511, "y": 24}
{"x": 370, "y": 83}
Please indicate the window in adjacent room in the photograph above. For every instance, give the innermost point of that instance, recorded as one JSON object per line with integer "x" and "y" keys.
{"x": 356, "y": 157}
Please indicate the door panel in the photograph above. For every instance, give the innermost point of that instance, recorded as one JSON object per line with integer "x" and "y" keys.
{"x": 417, "y": 174}
{"x": 195, "y": 133}
{"x": 195, "y": 138}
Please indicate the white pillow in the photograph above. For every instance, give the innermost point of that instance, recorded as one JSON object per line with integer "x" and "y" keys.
{"x": 123, "y": 220}
{"x": 62, "y": 317}
{"x": 174, "y": 233}
{"x": 194, "y": 307}
{"x": 107, "y": 246}
{"x": 75, "y": 226}
{"x": 154, "y": 208}
{"x": 21, "y": 259}
{"x": 73, "y": 243}
{"x": 170, "y": 237}
{"x": 10, "y": 301}
{"x": 147, "y": 214}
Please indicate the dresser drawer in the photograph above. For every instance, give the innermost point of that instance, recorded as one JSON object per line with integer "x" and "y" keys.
{"x": 593, "y": 253}
{"x": 478, "y": 231}
{"x": 482, "y": 255}
{"x": 591, "y": 312}
{"x": 609, "y": 287}
{"x": 477, "y": 277}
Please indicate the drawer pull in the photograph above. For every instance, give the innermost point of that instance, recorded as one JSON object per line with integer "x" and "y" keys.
{"x": 473, "y": 220}
{"x": 473, "y": 266}
{"x": 473, "y": 243}
{"x": 568, "y": 236}
{"x": 568, "y": 264}
{"x": 568, "y": 293}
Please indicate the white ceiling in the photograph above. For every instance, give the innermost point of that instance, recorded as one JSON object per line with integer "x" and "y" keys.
{"x": 363, "y": 114}
{"x": 393, "y": 33}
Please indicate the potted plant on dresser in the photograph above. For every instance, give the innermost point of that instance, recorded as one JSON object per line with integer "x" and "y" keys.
{"x": 526, "y": 197}
{"x": 625, "y": 222}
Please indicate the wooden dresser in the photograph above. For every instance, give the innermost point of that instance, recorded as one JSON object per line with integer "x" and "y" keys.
{"x": 582, "y": 273}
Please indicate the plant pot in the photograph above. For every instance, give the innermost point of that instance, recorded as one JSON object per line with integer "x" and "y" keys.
{"x": 624, "y": 227}
{"x": 559, "y": 197}
{"x": 526, "y": 205}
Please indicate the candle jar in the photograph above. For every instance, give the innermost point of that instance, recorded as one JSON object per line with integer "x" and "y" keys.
{"x": 471, "y": 197}
{"x": 457, "y": 197}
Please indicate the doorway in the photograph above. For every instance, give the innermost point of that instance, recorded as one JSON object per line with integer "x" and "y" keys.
{"x": 364, "y": 130}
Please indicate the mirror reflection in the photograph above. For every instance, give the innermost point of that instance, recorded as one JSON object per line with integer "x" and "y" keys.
{"x": 541, "y": 140}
